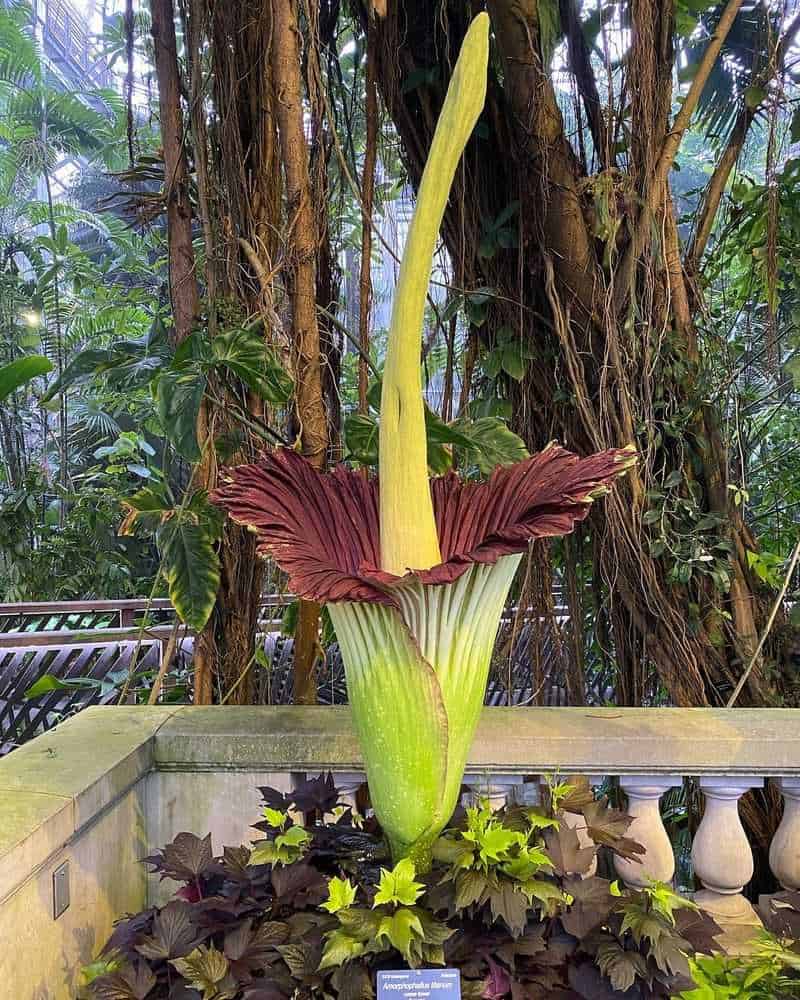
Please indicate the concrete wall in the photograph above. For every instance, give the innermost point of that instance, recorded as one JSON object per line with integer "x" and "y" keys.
{"x": 75, "y": 795}
{"x": 111, "y": 785}
{"x": 41, "y": 956}
{"x": 222, "y": 803}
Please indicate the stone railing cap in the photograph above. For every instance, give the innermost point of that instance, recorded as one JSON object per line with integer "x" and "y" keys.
{"x": 56, "y": 784}
{"x": 53, "y": 786}
{"x": 759, "y": 742}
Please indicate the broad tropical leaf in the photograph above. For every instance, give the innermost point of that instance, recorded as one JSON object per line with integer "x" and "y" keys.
{"x": 179, "y": 395}
{"x": 21, "y": 371}
{"x": 246, "y": 354}
{"x": 191, "y": 567}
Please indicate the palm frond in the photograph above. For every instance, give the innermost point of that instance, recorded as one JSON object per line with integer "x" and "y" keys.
{"x": 70, "y": 124}
{"x": 92, "y": 418}
{"x": 20, "y": 57}
{"x": 743, "y": 54}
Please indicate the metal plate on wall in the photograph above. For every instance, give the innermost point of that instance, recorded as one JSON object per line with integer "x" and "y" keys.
{"x": 60, "y": 889}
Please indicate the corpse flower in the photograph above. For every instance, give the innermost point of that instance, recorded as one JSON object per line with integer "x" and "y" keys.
{"x": 415, "y": 571}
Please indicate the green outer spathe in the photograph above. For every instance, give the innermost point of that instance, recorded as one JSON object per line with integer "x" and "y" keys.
{"x": 416, "y": 681}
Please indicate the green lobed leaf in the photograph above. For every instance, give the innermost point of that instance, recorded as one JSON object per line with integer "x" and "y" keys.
{"x": 490, "y": 443}
{"x": 191, "y": 567}
{"x": 245, "y": 353}
{"x": 360, "y": 923}
{"x": 275, "y": 817}
{"x": 453, "y": 852}
{"x": 285, "y": 849}
{"x": 340, "y": 947}
{"x": 665, "y": 901}
{"x": 398, "y": 886}
{"x": 341, "y": 895}
{"x": 494, "y": 841}
{"x": 100, "y": 967}
{"x": 400, "y": 929}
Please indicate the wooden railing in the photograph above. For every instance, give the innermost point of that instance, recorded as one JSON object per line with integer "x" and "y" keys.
{"x": 93, "y": 667}
{"x": 88, "y": 652}
{"x": 102, "y": 646}
{"x": 54, "y": 616}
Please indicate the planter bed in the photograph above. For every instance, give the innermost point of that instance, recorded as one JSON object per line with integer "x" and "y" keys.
{"x": 82, "y": 805}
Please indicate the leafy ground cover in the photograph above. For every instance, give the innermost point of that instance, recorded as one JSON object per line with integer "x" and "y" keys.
{"x": 314, "y": 908}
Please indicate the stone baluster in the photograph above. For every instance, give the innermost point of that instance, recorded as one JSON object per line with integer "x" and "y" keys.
{"x": 723, "y": 861}
{"x": 497, "y": 788}
{"x": 527, "y": 794}
{"x": 347, "y": 784}
{"x": 784, "y": 852}
{"x": 644, "y": 793}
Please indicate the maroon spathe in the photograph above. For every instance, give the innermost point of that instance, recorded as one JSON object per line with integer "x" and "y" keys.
{"x": 323, "y": 530}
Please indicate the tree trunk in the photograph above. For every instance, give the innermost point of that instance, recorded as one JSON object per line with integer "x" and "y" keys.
{"x": 184, "y": 292}
{"x": 302, "y": 284}
{"x": 609, "y": 303}
{"x": 183, "y": 289}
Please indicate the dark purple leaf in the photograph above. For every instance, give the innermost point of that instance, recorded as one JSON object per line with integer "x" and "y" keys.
{"x": 129, "y": 983}
{"x": 352, "y": 982}
{"x": 589, "y": 983}
{"x": 498, "y": 983}
{"x": 253, "y": 948}
{"x": 781, "y": 913}
{"x": 608, "y": 826}
{"x": 701, "y": 930}
{"x": 235, "y": 861}
{"x": 180, "y": 991}
{"x": 509, "y": 903}
{"x": 276, "y": 799}
{"x": 565, "y": 851}
{"x": 298, "y": 885}
{"x": 186, "y": 859}
{"x": 174, "y": 933}
{"x": 128, "y": 931}
{"x": 592, "y": 904}
{"x": 316, "y": 794}
{"x": 266, "y": 992}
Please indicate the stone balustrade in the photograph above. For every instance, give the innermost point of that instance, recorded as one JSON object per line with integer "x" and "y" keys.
{"x": 721, "y": 856}
{"x": 88, "y": 800}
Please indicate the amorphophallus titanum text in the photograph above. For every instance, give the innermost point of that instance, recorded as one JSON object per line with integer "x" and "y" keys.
{"x": 415, "y": 571}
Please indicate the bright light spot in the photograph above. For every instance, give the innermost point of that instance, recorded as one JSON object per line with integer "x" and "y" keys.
{"x": 32, "y": 317}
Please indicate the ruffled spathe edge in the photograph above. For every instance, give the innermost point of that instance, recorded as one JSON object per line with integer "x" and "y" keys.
{"x": 323, "y": 528}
